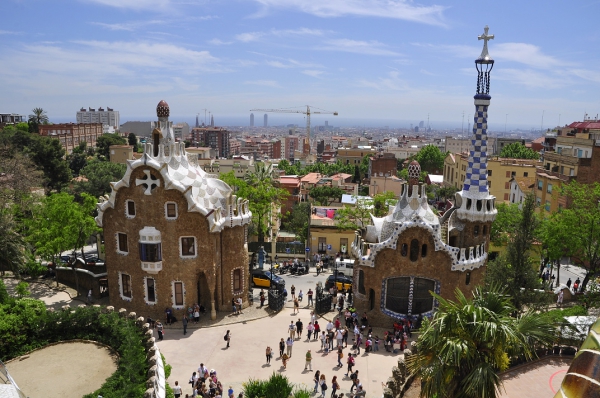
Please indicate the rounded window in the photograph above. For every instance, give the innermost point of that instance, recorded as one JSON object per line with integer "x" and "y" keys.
{"x": 414, "y": 250}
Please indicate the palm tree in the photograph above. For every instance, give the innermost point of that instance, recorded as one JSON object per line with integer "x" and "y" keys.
{"x": 462, "y": 349}
{"x": 38, "y": 116}
{"x": 262, "y": 172}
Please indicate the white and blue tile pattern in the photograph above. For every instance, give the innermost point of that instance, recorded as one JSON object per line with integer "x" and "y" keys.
{"x": 476, "y": 177}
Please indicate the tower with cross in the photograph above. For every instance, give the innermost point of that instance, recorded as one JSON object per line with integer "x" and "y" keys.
{"x": 475, "y": 206}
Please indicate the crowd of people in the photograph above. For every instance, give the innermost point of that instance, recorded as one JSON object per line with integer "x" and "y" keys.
{"x": 206, "y": 384}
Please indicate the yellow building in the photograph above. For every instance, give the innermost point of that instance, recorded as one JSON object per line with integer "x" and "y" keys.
{"x": 325, "y": 236}
{"x": 546, "y": 190}
{"x": 500, "y": 172}
{"x": 121, "y": 153}
{"x": 354, "y": 156}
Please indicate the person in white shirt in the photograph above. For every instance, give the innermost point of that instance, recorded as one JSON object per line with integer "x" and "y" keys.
{"x": 329, "y": 326}
{"x": 177, "y": 390}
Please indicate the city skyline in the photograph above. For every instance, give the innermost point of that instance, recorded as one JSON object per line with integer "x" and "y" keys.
{"x": 375, "y": 62}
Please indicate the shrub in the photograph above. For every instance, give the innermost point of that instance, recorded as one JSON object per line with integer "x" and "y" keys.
{"x": 254, "y": 388}
{"x": 557, "y": 316}
{"x": 278, "y": 386}
{"x": 26, "y": 325}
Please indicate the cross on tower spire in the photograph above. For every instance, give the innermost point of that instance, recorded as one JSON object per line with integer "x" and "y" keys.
{"x": 485, "y": 37}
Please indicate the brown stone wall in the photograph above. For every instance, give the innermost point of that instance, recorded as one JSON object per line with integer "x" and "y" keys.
{"x": 435, "y": 265}
{"x": 234, "y": 256}
{"x": 198, "y": 274}
{"x": 467, "y": 238}
{"x": 588, "y": 174}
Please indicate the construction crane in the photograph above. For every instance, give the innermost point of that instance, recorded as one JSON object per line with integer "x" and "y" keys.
{"x": 307, "y": 112}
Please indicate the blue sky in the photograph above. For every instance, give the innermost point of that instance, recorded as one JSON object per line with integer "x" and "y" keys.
{"x": 379, "y": 62}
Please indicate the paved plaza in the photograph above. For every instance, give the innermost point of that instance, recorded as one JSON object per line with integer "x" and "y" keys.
{"x": 257, "y": 327}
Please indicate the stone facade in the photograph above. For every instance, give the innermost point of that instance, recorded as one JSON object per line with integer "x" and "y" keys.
{"x": 174, "y": 235}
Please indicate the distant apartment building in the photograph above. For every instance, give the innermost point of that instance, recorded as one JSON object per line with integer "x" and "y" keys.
{"x": 500, "y": 172}
{"x": 181, "y": 130}
{"x": 383, "y": 184}
{"x": 384, "y": 164}
{"x": 108, "y": 117}
{"x": 71, "y": 134}
{"x": 266, "y": 120}
{"x": 11, "y": 118}
{"x": 140, "y": 129}
{"x": 213, "y": 137}
{"x": 252, "y": 120}
{"x": 462, "y": 145}
{"x": 520, "y": 187}
{"x": 290, "y": 144}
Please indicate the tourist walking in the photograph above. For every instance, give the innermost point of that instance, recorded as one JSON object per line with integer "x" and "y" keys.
{"x": 310, "y": 329}
{"x": 340, "y": 355}
{"x": 269, "y": 354}
{"x": 300, "y": 295}
{"x": 309, "y": 294}
{"x": 299, "y": 327}
{"x": 308, "y": 361}
{"x": 262, "y": 297}
{"x": 227, "y": 338}
{"x": 184, "y": 321}
{"x": 284, "y": 359}
{"x": 323, "y": 383}
{"x": 177, "y": 390}
{"x": 316, "y": 380}
{"x": 350, "y": 363}
{"x": 289, "y": 344}
{"x": 292, "y": 329}
{"x": 334, "y": 386}
{"x": 293, "y": 292}
{"x": 159, "y": 329}
{"x": 296, "y": 306}
{"x": 281, "y": 347}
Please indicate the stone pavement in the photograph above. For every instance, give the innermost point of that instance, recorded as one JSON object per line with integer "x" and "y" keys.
{"x": 538, "y": 379}
{"x": 251, "y": 332}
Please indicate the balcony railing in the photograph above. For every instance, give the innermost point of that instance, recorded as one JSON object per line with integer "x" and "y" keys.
{"x": 152, "y": 267}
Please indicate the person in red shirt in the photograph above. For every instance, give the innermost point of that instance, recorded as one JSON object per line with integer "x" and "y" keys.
{"x": 337, "y": 323}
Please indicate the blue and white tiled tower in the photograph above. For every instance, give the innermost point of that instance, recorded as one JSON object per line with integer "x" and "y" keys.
{"x": 474, "y": 202}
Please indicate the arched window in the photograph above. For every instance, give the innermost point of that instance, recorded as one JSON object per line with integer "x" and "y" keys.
{"x": 404, "y": 250}
{"x": 414, "y": 250}
{"x": 468, "y": 278}
{"x": 476, "y": 230}
{"x": 237, "y": 280}
{"x": 361, "y": 282}
{"x": 424, "y": 251}
{"x": 371, "y": 299}
{"x": 409, "y": 296}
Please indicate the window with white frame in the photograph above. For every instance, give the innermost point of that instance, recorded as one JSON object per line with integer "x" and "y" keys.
{"x": 130, "y": 208}
{"x": 150, "y": 290}
{"x": 122, "y": 245}
{"x": 178, "y": 293}
{"x": 126, "y": 285}
{"x": 187, "y": 246}
{"x": 171, "y": 210}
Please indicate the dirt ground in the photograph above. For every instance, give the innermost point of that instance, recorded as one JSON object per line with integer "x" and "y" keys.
{"x": 67, "y": 370}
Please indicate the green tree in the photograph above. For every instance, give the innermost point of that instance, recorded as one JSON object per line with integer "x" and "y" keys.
{"x": 99, "y": 175}
{"x": 297, "y": 220}
{"x": 49, "y": 156}
{"x": 468, "y": 342}
{"x": 447, "y": 192}
{"x": 264, "y": 197}
{"x": 364, "y": 165}
{"x": 514, "y": 270}
{"x": 324, "y": 195}
{"x": 38, "y": 116}
{"x": 78, "y": 158}
{"x": 431, "y": 159}
{"x": 507, "y": 220}
{"x": 104, "y": 142}
{"x": 61, "y": 224}
{"x": 132, "y": 140}
{"x": 382, "y": 202}
{"x": 22, "y": 289}
{"x": 359, "y": 215}
{"x": 580, "y": 227}
{"x": 516, "y": 150}
{"x": 13, "y": 248}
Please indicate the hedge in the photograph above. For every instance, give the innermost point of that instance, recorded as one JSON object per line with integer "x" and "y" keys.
{"x": 25, "y": 325}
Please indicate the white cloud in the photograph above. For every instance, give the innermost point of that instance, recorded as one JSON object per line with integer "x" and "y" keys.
{"x": 358, "y": 46}
{"x": 396, "y": 9}
{"x": 219, "y": 42}
{"x": 8, "y": 32}
{"x": 266, "y": 83}
{"x": 127, "y": 26}
{"x": 313, "y": 73}
{"x": 392, "y": 82}
{"x": 277, "y": 64}
{"x": 298, "y": 32}
{"x": 91, "y": 66}
{"x": 525, "y": 53}
{"x": 532, "y": 78}
{"x": 133, "y": 4}
{"x": 249, "y": 36}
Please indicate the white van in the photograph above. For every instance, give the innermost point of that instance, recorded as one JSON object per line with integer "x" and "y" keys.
{"x": 344, "y": 266}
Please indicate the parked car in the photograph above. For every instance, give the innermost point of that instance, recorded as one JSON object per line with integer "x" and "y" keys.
{"x": 342, "y": 282}
{"x": 263, "y": 278}
{"x": 299, "y": 269}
